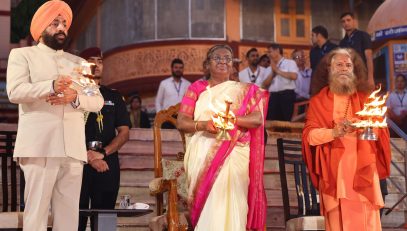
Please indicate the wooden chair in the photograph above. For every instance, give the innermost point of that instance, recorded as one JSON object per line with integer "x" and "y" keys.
{"x": 159, "y": 185}
{"x": 13, "y": 184}
{"x": 307, "y": 216}
{"x": 11, "y": 217}
{"x": 297, "y": 116}
{"x": 9, "y": 173}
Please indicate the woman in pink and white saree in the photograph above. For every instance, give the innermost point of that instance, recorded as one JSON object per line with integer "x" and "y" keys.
{"x": 225, "y": 177}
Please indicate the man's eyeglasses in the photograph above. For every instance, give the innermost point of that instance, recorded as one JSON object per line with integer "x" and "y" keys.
{"x": 299, "y": 57}
{"x": 219, "y": 59}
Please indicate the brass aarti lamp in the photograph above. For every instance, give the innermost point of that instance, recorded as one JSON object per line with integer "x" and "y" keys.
{"x": 224, "y": 121}
{"x": 372, "y": 116}
{"x": 83, "y": 79}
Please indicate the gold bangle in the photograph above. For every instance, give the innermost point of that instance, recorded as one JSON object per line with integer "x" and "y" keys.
{"x": 196, "y": 126}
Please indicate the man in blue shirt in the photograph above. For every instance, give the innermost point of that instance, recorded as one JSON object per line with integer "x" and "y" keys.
{"x": 359, "y": 41}
{"x": 322, "y": 45}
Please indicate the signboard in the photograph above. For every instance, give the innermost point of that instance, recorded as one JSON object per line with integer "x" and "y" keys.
{"x": 400, "y": 59}
{"x": 394, "y": 32}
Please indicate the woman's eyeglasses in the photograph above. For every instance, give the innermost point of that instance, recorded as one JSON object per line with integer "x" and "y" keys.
{"x": 219, "y": 59}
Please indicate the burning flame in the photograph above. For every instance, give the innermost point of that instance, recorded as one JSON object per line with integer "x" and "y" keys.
{"x": 373, "y": 111}
{"x": 369, "y": 123}
{"x": 85, "y": 71}
{"x": 87, "y": 68}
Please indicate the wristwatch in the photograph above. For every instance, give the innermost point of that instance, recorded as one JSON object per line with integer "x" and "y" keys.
{"x": 103, "y": 151}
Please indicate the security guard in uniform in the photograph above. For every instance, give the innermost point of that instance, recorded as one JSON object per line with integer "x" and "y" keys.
{"x": 101, "y": 176}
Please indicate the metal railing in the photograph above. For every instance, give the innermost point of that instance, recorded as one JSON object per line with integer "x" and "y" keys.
{"x": 403, "y": 151}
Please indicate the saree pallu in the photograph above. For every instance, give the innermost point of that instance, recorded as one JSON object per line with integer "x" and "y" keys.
{"x": 225, "y": 178}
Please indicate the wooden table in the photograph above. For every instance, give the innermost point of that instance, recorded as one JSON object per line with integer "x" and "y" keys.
{"x": 106, "y": 219}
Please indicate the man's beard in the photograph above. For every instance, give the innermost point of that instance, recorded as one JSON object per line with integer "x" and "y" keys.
{"x": 52, "y": 41}
{"x": 177, "y": 74}
{"x": 337, "y": 87}
{"x": 254, "y": 63}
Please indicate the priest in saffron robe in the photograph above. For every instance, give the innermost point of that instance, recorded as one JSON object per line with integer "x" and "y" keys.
{"x": 345, "y": 169}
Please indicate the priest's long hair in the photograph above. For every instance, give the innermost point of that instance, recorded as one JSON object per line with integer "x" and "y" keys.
{"x": 320, "y": 76}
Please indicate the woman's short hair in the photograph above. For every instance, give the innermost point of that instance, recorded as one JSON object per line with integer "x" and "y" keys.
{"x": 210, "y": 53}
{"x": 217, "y": 47}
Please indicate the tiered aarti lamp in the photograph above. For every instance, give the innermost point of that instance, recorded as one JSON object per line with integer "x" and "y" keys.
{"x": 83, "y": 79}
{"x": 372, "y": 116}
{"x": 224, "y": 121}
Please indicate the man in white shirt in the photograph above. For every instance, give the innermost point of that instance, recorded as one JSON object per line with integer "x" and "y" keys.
{"x": 281, "y": 84}
{"x": 397, "y": 103}
{"x": 172, "y": 89}
{"x": 264, "y": 61}
{"x": 304, "y": 76}
{"x": 253, "y": 73}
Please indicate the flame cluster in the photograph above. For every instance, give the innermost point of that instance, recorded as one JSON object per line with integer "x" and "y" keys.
{"x": 373, "y": 112}
{"x": 220, "y": 118}
{"x": 84, "y": 71}
{"x": 87, "y": 69}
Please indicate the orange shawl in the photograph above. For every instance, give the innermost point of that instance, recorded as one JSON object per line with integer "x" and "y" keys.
{"x": 322, "y": 160}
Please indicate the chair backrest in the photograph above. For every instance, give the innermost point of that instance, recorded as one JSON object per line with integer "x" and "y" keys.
{"x": 290, "y": 159}
{"x": 164, "y": 116}
{"x": 9, "y": 173}
{"x": 300, "y": 109}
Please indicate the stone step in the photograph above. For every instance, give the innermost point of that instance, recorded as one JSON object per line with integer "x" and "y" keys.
{"x": 141, "y": 222}
{"x": 399, "y": 180}
{"x": 137, "y": 164}
{"x": 271, "y": 180}
{"x": 136, "y": 183}
{"x": 139, "y": 147}
{"x": 275, "y": 221}
{"x": 141, "y": 194}
{"x": 146, "y": 163}
{"x": 274, "y": 197}
{"x": 142, "y": 177}
{"x": 126, "y": 228}
{"x": 136, "y": 178}
{"x": 394, "y": 220}
{"x": 132, "y": 228}
{"x": 393, "y": 198}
